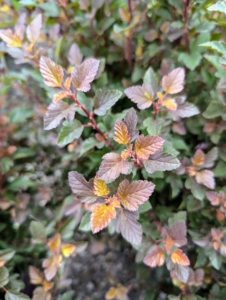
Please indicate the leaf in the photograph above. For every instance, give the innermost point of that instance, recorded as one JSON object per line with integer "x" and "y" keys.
{"x": 35, "y": 275}
{"x": 210, "y": 158}
{"x": 121, "y": 133}
{"x": 37, "y": 230}
{"x": 13, "y": 295}
{"x": 56, "y": 113}
{"x": 100, "y": 187}
{"x": 112, "y": 165}
{"x": 151, "y": 79}
{"x": 161, "y": 162}
{"x": 75, "y": 56}
{"x": 146, "y": 145}
{"x": 179, "y": 257}
{"x": 220, "y": 6}
{"x": 84, "y": 74}
{"x": 182, "y": 272}
{"x": 104, "y": 100}
{"x": 110, "y": 294}
{"x": 67, "y": 249}
{"x": 10, "y": 38}
{"x": 170, "y": 104}
{"x": 130, "y": 120}
{"x": 141, "y": 95}
{"x": 54, "y": 243}
{"x": 146, "y": 206}
{"x": 51, "y": 265}
{"x": 206, "y": 177}
{"x": 192, "y": 60}
{"x": 177, "y": 232}
{"x": 184, "y": 110}
{"x": 197, "y": 190}
{"x": 40, "y": 293}
{"x": 59, "y": 96}
{"x": 69, "y": 132}
{"x": 81, "y": 188}
{"x": 85, "y": 223}
{"x": 213, "y": 110}
{"x": 52, "y": 73}
{"x": 4, "y": 276}
{"x": 126, "y": 223}
{"x": 155, "y": 258}
{"x": 34, "y": 29}
{"x": 101, "y": 216}
{"x": 216, "y": 198}
{"x": 173, "y": 83}
{"x": 199, "y": 158}
{"x": 218, "y": 46}
{"x": 135, "y": 193}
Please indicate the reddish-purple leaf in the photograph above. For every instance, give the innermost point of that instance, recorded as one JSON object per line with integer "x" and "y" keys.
{"x": 135, "y": 193}
{"x": 112, "y": 165}
{"x": 216, "y": 198}
{"x": 81, "y": 188}
{"x": 206, "y": 177}
{"x": 126, "y": 223}
{"x": 141, "y": 95}
{"x": 131, "y": 122}
{"x": 184, "y": 110}
{"x": 84, "y": 74}
{"x": 34, "y": 29}
{"x": 56, "y": 113}
{"x": 173, "y": 83}
{"x": 155, "y": 258}
{"x": 177, "y": 232}
{"x": 75, "y": 56}
{"x": 161, "y": 162}
{"x": 146, "y": 145}
{"x": 210, "y": 158}
{"x": 104, "y": 100}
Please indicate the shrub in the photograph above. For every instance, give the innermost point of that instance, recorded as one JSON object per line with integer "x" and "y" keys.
{"x": 136, "y": 124}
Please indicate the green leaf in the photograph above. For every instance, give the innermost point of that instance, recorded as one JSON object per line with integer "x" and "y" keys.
{"x": 6, "y": 254}
{"x": 21, "y": 182}
{"x": 86, "y": 101}
{"x": 218, "y": 46}
{"x": 153, "y": 127}
{"x": 70, "y": 132}
{"x": 144, "y": 207}
{"x": 215, "y": 259}
{"x": 13, "y": 295}
{"x": 23, "y": 153}
{"x": 85, "y": 223}
{"x": 220, "y": 6}
{"x": 104, "y": 100}
{"x": 151, "y": 79}
{"x": 4, "y": 276}
{"x": 197, "y": 190}
{"x": 5, "y": 164}
{"x": 67, "y": 229}
{"x": 181, "y": 215}
{"x": 191, "y": 60}
{"x": 193, "y": 204}
{"x": 20, "y": 114}
{"x": 38, "y": 232}
{"x": 66, "y": 296}
{"x": 213, "y": 110}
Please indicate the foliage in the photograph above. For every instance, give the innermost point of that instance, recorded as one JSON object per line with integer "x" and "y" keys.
{"x": 125, "y": 130}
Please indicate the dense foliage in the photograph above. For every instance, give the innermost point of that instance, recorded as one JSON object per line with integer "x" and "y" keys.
{"x": 132, "y": 97}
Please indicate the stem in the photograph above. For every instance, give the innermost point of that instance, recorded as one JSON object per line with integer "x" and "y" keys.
{"x": 185, "y": 19}
{"x": 4, "y": 289}
{"x": 129, "y": 40}
{"x": 91, "y": 118}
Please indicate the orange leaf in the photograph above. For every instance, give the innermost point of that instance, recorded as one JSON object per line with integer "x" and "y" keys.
{"x": 100, "y": 187}
{"x": 147, "y": 145}
{"x": 170, "y": 104}
{"x": 113, "y": 201}
{"x": 155, "y": 258}
{"x": 2, "y": 262}
{"x": 168, "y": 244}
{"x": 110, "y": 294}
{"x": 51, "y": 265}
{"x": 179, "y": 257}
{"x": 67, "y": 249}
{"x": 59, "y": 96}
{"x": 54, "y": 243}
{"x": 11, "y": 39}
{"x": 52, "y": 73}
{"x": 47, "y": 285}
{"x": 199, "y": 158}
{"x": 36, "y": 276}
{"x": 101, "y": 216}
{"x": 121, "y": 133}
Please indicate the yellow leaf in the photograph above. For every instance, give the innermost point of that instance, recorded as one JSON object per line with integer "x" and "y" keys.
{"x": 11, "y": 39}
{"x": 199, "y": 158}
{"x": 121, "y": 292}
{"x": 67, "y": 83}
{"x": 51, "y": 265}
{"x": 170, "y": 104}
{"x": 114, "y": 202}
{"x": 101, "y": 216}
{"x": 67, "y": 249}
{"x": 59, "y": 96}
{"x": 47, "y": 285}
{"x": 155, "y": 258}
{"x": 179, "y": 257}
{"x": 100, "y": 187}
{"x": 52, "y": 73}
{"x": 36, "y": 276}
{"x": 121, "y": 133}
{"x": 111, "y": 293}
{"x": 127, "y": 152}
{"x": 54, "y": 243}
